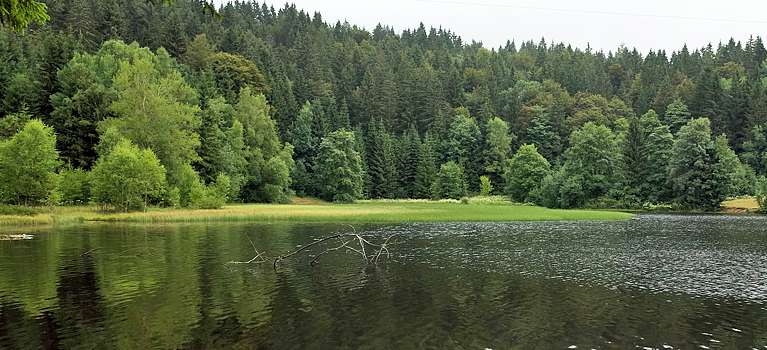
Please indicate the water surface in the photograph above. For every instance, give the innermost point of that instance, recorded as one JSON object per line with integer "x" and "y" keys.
{"x": 653, "y": 282}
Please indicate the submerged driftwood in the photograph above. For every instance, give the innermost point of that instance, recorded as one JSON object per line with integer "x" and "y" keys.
{"x": 369, "y": 251}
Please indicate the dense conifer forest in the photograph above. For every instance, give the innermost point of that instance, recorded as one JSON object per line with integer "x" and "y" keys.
{"x": 135, "y": 102}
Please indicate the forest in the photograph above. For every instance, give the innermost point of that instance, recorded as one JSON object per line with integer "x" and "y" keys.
{"x": 136, "y": 103}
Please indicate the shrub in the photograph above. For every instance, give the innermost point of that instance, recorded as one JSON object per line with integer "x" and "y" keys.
{"x": 761, "y": 193}
{"x": 128, "y": 178}
{"x": 27, "y": 163}
{"x": 524, "y": 173}
{"x": 74, "y": 187}
{"x": 450, "y": 182}
{"x": 213, "y": 196}
{"x": 485, "y": 186}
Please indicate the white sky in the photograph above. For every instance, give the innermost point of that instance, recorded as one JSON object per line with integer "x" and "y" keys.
{"x": 604, "y": 24}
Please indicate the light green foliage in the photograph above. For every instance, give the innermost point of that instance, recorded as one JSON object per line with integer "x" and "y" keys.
{"x": 339, "y": 168}
{"x": 128, "y": 178}
{"x": 497, "y": 148}
{"x": 593, "y": 159}
{"x": 485, "y": 186}
{"x": 729, "y": 165}
{"x": 697, "y": 179}
{"x": 591, "y": 108}
{"x": 74, "y": 186}
{"x": 18, "y": 14}
{"x": 157, "y": 110}
{"x": 88, "y": 90}
{"x": 269, "y": 162}
{"x": 27, "y": 164}
{"x": 761, "y": 192}
{"x": 755, "y": 150}
{"x": 212, "y": 196}
{"x": 450, "y": 182}
{"x": 524, "y": 173}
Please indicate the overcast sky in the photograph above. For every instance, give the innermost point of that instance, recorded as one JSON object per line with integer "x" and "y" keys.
{"x": 603, "y": 24}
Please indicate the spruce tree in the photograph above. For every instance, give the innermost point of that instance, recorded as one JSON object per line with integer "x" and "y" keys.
{"x": 677, "y": 115}
{"x": 427, "y": 168}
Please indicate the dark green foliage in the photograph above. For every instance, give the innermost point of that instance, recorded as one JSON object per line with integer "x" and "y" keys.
{"x": 269, "y": 161}
{"x": 233, "y": 72}
{"x": 395, "y": 86}
{"x": 408, "y": 162}
{"x": 696, "y": 178}
{"x": 340, "y": 169}
{"x": 524, "y": 173}
{"x": 463, "y": 145}
{"x": 426, "y": 170}
{"x": 646, "y": 150}
{"x": 450, "y": 182}
{"x": 497, "y": 149}
{"x": 558, "y": 190}
{"x": 27, "y": 164}
{"x": 381, "y": 162}
{"x": 592, "y": 159}
{"x": 304, "y": 147}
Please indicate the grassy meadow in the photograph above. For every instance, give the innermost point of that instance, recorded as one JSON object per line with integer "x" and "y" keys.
{"x": 314, "y": 211}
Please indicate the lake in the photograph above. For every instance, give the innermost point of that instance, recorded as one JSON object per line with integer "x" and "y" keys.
{"x": 655, "y": 281}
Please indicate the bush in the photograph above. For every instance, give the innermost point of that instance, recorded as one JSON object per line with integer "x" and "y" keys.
{"x": 558, "y": 190}
{"x": 485, "y": 186}
{"x": 27, "y": 163}
{"x": 74, "y": 187}
{"x": 450, "y": 182}
{"x": 524, "y": 173}
{"x": 19, "y": 210}
{"x": 128, "y": 178}
{"x": 761, "y": 193}
{"x": 213, "y": 196}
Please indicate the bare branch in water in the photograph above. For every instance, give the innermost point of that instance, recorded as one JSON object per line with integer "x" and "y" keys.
{"x": 258, "y": 258}
{"x": 353, "y": 242}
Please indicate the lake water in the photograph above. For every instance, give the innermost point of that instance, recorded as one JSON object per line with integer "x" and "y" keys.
{"x": 660, "y": 282}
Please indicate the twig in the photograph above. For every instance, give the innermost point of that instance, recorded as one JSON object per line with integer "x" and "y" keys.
{"x": 259, "y": 255}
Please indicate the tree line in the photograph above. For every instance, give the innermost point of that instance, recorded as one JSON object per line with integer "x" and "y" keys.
{"x": 259, "y": 104}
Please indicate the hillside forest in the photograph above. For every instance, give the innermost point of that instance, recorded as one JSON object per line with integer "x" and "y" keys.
{"x": 133, "y": 103}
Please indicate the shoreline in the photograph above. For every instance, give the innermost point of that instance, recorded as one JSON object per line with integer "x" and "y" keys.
{"x": 360, "y": 212}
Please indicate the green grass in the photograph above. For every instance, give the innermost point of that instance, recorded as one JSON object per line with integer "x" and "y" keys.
{"x": 479, "y": 209}
{"x": 364, "y": 212}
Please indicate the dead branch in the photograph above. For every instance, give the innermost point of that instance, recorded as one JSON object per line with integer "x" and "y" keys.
{"x": 258, "y": 258}
{"x": 354, "y": 242}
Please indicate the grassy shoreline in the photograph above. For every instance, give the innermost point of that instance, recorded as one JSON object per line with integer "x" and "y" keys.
{"x": 361, "y": 212}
